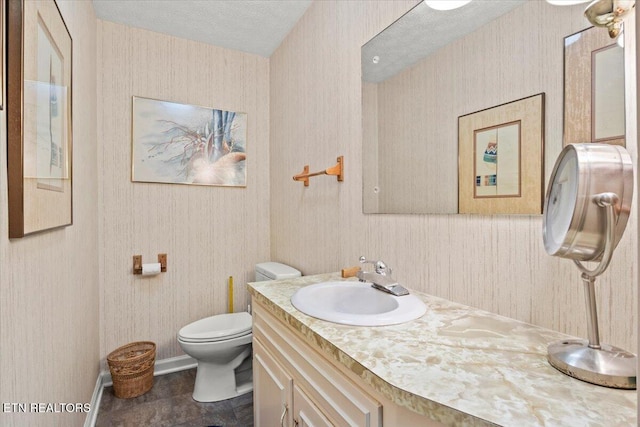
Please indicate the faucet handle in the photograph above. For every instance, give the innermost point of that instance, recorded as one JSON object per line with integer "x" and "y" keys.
{"x": 379, "y": 266}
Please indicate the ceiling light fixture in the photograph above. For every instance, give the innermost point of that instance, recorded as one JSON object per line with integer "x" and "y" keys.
{"x": 609, "y": 14}
{"x": 445, "y": 4}
{"x": 566, "y": 2}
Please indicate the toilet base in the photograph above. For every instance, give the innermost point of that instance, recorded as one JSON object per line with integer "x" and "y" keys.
{"x": 213, "y": 383}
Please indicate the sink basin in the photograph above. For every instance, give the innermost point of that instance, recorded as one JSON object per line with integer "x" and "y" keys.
{"x": 356, "y": 303}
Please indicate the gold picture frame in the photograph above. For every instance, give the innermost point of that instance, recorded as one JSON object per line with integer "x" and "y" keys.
{"x": 39, "y": 131}
{"x": 501, "y": 158}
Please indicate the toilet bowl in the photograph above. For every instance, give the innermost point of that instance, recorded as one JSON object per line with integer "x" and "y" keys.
{"x": 222, "y": 346}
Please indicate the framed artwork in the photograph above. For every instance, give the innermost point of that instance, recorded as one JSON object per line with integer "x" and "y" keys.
{"x": 39, "y": 110}
{"x": 501, "y": 158}
{"x": 594, "y": 80}
{"x": 186, "y": 144}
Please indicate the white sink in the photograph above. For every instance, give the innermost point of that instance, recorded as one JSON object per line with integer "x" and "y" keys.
{"x": 356, "y": 303}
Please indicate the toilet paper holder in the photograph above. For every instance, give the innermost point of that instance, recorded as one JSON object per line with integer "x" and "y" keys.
{"x": 137, "y": 263}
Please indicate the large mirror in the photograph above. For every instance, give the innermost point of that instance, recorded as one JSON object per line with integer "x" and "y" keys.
{"x": 431, "y": 67}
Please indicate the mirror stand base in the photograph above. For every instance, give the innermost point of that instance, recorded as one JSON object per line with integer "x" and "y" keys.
{"x": 607, "y": 366}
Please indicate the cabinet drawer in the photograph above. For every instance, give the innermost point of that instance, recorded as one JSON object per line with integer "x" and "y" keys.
{"x": 341, "y": 401}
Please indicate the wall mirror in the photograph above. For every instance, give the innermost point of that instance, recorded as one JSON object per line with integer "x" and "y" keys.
{"x": 430, "y": 67}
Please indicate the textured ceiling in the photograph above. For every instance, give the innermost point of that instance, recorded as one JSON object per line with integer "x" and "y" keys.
{"x": 253, "y": 26}
{"x": 422, "y": 31}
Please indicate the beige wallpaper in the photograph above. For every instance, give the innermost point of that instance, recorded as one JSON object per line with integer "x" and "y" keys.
{"x": 497, "y": 263}
{"x": 208, "y": 233}
{"x": 637, "y": 219}
{"x": 49, "y": 282}
{"x": 54, "y": 284}
{"x": 370, "y": 157}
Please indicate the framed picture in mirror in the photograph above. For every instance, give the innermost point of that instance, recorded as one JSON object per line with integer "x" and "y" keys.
{"x": 500, "y": 164}
{"x": 39, "y": 132}
{"x": 594, "y": 80}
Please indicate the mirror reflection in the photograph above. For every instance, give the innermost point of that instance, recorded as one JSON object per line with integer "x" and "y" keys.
{"x": 431, "y": 67}
{"x": 594, "y": 87}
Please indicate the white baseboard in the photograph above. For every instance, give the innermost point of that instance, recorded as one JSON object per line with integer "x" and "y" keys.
{"x": 162, "y": 367}
{"x": 174, "y": 364}
{"x": 92, "y": 415}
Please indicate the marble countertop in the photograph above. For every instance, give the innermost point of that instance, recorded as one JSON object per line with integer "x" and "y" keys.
{"x": 462, "y": 365}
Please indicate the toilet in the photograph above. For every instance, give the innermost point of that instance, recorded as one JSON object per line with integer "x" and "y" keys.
{"x": 222, "y": 346}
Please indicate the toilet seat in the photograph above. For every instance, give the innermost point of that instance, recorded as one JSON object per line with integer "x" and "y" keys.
{"x": 217, "y": 328}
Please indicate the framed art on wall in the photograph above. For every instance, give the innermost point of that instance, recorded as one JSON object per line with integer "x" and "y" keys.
{"x": 186, "y": 144}
{"x": 39, "y": 132}
{"x": 594, "y": 88}
{"x": 500, "y": 164}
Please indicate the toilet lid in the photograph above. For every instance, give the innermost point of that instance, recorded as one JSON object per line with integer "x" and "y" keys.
{"x": 217, "y": 328}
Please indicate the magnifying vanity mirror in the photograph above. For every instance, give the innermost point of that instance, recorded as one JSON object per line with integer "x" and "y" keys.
{"x": 431, "y": 67}
{"x": 586, "y": 211}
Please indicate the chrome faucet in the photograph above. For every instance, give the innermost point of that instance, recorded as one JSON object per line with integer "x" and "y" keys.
{"x": 381, "y": 278}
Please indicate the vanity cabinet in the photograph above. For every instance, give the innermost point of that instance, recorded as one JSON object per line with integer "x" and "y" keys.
{"x": 296, "y": 386}
{"x": 454, "y": 366}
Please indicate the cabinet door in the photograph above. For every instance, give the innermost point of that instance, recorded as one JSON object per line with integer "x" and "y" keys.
{"x": 342, "y": 402}
{"x": 306, "y": 413}
{"x": 271, "y": 390}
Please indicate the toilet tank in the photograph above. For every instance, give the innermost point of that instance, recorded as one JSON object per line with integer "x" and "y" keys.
{"x": 275, "y": 271}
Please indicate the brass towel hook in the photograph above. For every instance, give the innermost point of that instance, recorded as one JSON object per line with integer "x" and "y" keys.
{"x": 336, "y": 170}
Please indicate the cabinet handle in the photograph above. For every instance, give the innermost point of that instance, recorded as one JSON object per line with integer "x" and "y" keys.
{"x": 284, "y": 413}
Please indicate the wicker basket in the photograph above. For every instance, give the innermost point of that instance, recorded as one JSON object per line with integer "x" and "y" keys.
{"x": 131, "y": 368}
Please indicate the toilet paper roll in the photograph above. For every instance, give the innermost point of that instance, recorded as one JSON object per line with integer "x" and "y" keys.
{"x": 151, "y": 269}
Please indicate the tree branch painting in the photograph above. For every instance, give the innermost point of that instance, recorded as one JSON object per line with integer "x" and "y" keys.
{"x": 185, "y": 144}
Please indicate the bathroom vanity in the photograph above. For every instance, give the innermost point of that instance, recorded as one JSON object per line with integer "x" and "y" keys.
{"x": 456, "y": 365}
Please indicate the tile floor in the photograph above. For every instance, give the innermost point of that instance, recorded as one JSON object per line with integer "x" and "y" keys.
{"x": 169, "y": 403}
